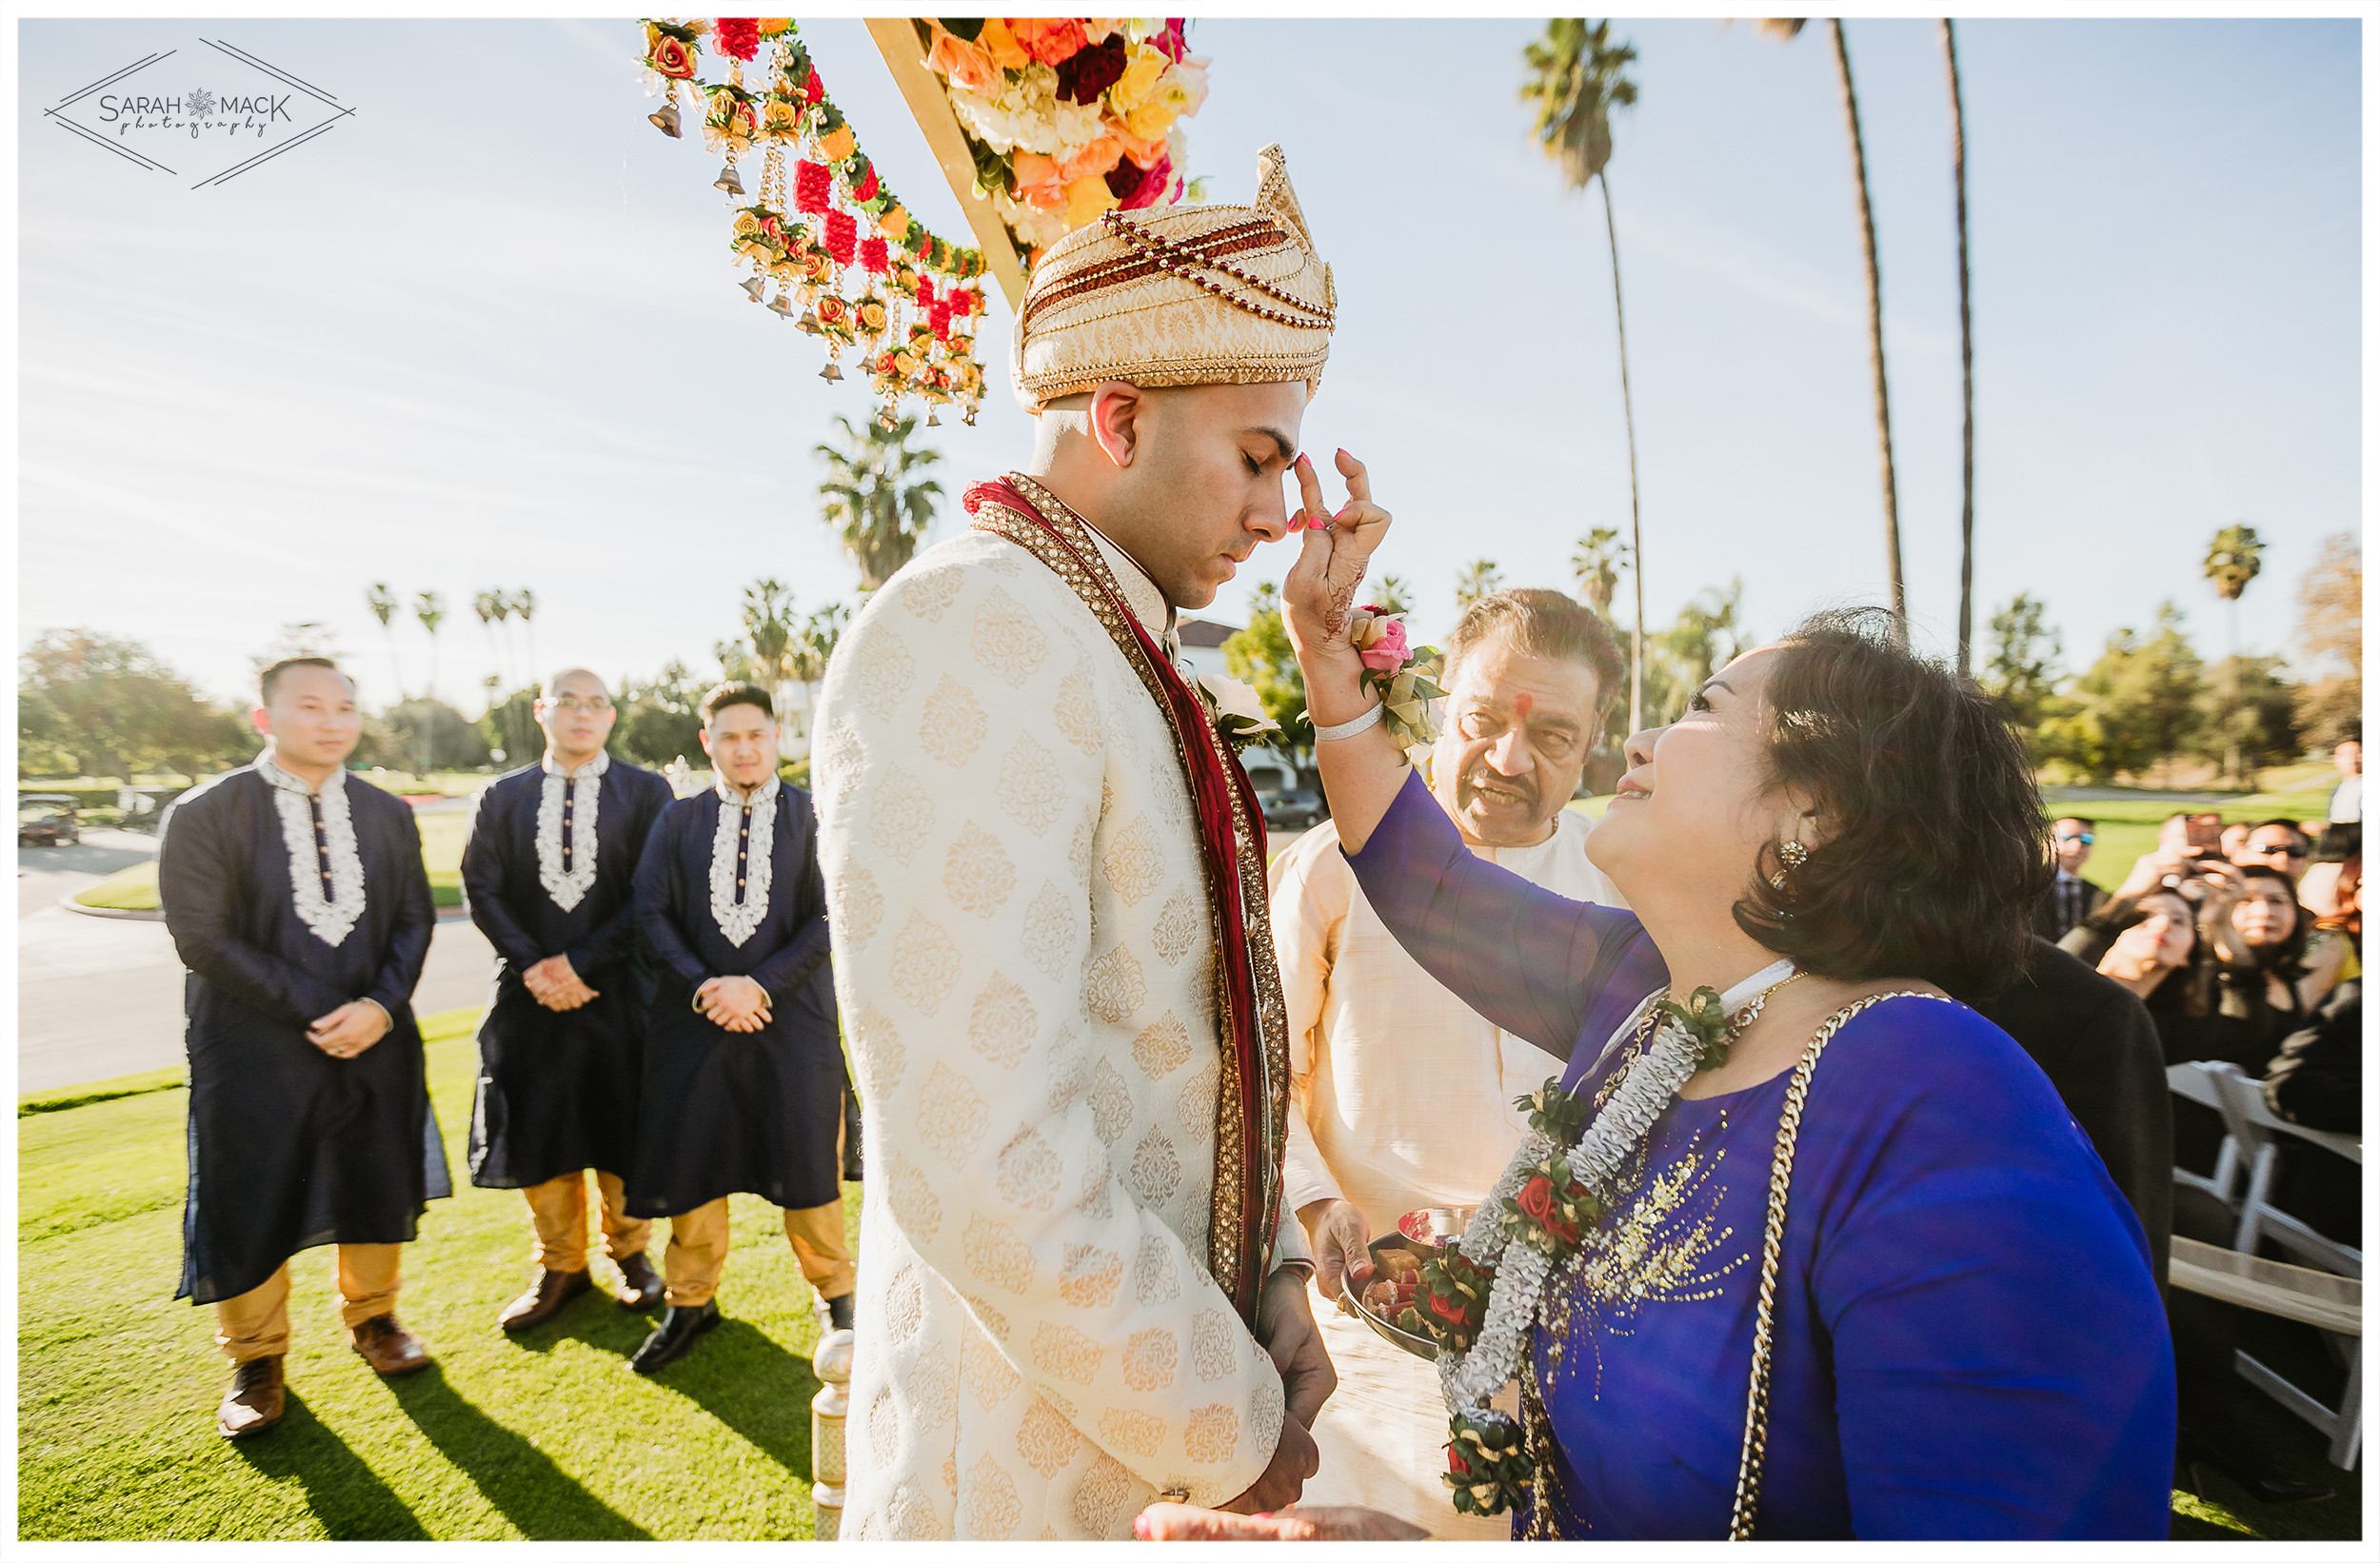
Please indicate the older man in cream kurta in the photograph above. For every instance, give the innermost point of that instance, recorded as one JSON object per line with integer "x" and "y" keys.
{"x": 1404, "y": 1093}
{"x": 1023, "y": 881}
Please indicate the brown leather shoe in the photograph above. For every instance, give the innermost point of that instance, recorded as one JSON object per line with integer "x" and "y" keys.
{"x": 255, "y": 1401}
{"x": 640, "y": 1289}
{"x": 389, "y": 1347}
{"x": 544, "y": 1300}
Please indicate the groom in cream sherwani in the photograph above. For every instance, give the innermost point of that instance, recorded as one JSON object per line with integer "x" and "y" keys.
{"x": 1081, "y": 1289}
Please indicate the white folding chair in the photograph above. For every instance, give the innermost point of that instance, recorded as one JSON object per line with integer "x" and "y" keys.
{"x": 2317, "y": 1296}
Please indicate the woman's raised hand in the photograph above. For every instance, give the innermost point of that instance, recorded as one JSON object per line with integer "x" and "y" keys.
{"x": 1319, "y": 598}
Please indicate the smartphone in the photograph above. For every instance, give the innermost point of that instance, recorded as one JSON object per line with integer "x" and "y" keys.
{"x": 2204, "y": 834}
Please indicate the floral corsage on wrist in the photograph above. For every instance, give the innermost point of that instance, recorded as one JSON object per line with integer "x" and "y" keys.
{"x": 1404, "y": 676}
{"x": 1237, "y": 710}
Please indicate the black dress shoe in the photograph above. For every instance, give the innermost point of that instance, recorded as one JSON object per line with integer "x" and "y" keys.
{"x": 543, "y": 1301}
{"x": 639, "y": 1287}
{"x": 679, "y": 1327}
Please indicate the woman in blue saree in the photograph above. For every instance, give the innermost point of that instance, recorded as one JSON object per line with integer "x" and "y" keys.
{"x": 1967, "y": 1339}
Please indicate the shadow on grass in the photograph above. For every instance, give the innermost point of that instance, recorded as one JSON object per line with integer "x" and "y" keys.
{"x": 351, "y": 1502}
{"x": 737, "y": 1372}
{"x": 754, "y": 1385}
{"x": 525, "y": 1486}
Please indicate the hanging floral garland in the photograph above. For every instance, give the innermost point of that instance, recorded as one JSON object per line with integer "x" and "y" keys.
{"x": 908, "y": 312}
{"x": 1069, "y": 116}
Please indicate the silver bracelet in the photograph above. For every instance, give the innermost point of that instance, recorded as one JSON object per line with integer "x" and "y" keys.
{"x": 1349, "y": 729}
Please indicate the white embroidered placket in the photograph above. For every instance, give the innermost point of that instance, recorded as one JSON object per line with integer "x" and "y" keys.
{"x": 328, "y": 918}
{"x": 738, "y": 919}
{"x": 568, "y": 888}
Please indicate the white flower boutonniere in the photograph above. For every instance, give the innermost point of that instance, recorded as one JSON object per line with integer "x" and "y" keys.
{"x": 1237, "y": 711}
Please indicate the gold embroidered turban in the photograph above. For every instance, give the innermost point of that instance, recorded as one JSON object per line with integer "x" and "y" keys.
{"x": 1192, "y": 295}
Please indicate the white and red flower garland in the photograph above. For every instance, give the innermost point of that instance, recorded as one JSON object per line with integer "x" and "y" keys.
{"x": 916, "y": 294}
{"x": 1489, "y": 1292}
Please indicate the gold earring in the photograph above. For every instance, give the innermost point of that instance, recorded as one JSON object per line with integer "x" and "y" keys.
{"x": 1794, "y": 855}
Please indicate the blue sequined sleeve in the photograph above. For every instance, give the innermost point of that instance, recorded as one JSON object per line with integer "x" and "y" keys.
{"x": 1537, "y": 965}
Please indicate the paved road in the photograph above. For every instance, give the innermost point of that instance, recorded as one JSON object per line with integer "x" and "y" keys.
{"x": 102, "y": 997}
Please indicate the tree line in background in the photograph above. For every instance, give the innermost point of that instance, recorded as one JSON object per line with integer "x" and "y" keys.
{"x": 90, "y": 704}
{"x": 2147, "y": 705}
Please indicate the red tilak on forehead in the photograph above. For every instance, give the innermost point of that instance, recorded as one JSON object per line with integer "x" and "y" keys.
{"x": 1523, "y": 703}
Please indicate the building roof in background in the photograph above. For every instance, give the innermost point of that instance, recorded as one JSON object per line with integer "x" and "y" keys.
{"x": 1205, "y": 632}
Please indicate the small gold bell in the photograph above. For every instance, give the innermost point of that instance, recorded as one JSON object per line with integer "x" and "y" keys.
{"x": 781, "y": 305}
{"x": 809, "y": 321}
{"x": 969, "y": 419}
{"x": 727, "y": 181}
{"x": 933, "y": 419}
{"x": 666, "y": 120}
{"x": 753, "y": 287}
{"x": 831, "y": 373}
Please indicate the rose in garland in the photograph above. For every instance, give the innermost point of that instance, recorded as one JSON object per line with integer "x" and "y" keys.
{"x": 1048, "y": 39}
{"x": 1083, "y": 75}
{"x": 968, "y": 66}
{"x": 1485, "y": 1464}
{"x": 669, "y": 50}
{"x": 1551, "y": 1209}
{"x": 1458, "y": 1299}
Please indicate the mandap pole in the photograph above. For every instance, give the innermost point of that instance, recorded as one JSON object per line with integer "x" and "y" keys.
{"x": 897, "y": 39}
{"x": 829, "y": 1409}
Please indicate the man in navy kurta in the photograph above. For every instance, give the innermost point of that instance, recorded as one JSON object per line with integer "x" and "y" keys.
{"x": 296, "y": 897}
{"x": 743, "y": 1073}
{"x": 549, "y": 870}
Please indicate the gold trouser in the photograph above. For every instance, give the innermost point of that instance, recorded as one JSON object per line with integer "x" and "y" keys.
{"x": 698, "y": 1252}
{"x": 257, "y": 1323}
{"x": 558, "y": 1210}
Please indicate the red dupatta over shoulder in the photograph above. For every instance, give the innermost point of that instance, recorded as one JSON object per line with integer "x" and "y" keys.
{"x": 1252, "y": 1102}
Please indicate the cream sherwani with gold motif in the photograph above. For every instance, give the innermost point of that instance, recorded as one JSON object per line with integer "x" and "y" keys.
{"x": 1023, "y": 955}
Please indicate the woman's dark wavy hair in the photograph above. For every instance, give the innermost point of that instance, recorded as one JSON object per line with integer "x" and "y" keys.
{"x": 1939, "y": 851}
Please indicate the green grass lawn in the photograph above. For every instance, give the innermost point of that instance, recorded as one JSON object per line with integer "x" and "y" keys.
{"x": 546, "y": 1435}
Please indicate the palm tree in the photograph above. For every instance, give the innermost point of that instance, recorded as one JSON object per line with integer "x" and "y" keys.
{"x": 384, "y": 606}
{"x": 813, "y": 647}
{"x": 2233, "y": 558}
{"x": 491, "y": 608}
{"x": 1577, "y": 82}
{"x": 430, "y": 609}
{"x": 767, "y": 605}
{"x": 1600, "y": 557}
{"x": 1392, "y": 595}
{"x": 525, "y": 604}
{"x": 1787, "y": 28}
{"x": 1476, "y": 580}
{"x": 1965, "y": 365}
{"x": 881, "y": 515}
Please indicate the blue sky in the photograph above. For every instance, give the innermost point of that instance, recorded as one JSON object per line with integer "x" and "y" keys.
{"x": 486, "y": 332}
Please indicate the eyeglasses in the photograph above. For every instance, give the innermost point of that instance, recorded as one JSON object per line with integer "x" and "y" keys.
{"x": 575, "y": 705}
{"x": 2275, "y": 850}
{"x": 2086, "y": 838}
